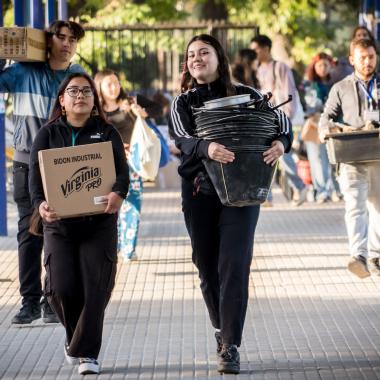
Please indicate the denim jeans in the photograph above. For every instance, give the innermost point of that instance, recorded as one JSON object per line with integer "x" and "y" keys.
{"x": 320, "y": 169}
{"x": 289, "y": 166}
{"x": 129, "y": 216}
{"x": 360, "y": 185}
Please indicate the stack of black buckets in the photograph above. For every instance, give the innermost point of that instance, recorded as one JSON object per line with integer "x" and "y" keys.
{"x": 247, "y": 130}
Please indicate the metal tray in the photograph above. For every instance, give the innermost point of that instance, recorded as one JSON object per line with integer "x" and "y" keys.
{"x": 228, "y": 101}
{"x": 353, "y": 147}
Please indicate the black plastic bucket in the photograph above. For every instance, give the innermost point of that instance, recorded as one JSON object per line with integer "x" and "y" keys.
{"x": 244, "y": 182}
{"x": 247, "y": 132}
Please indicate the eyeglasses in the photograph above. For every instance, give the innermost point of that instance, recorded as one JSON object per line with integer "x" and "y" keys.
{"x": 74, "y": 91}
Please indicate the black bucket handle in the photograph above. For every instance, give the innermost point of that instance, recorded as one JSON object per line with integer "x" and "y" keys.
{"x": 290, "y": 98}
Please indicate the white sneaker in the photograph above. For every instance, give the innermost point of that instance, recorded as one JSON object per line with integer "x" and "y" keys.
{"x": 132, "y": 257}
{"x": 88, "y": 366}
{"x": 70, "y": 359}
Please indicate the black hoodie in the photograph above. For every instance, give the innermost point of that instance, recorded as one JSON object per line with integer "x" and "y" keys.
{"x": 58, "y": 134}
{"x": 182, "y": 124}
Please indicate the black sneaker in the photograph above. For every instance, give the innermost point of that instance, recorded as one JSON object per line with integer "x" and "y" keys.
{"x": 219, "y": 344}
{"x": 229, "y": 359}
{"x": 27, "y": 314}
{"x": 373, "y": 266}
{"x": 48, "y": 314}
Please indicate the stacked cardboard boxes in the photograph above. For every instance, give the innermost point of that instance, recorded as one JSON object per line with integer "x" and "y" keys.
{"x": 22, "y": 44}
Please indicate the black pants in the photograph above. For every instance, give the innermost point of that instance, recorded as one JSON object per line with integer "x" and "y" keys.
{"x": 222, "y": 242}
{"x": 29, "y": 246}
{"x": 80, "y": 261}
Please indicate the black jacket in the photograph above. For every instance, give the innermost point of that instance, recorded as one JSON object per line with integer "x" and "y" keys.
{"x": 58, "y": 134}
{"x": 182, "y": 124}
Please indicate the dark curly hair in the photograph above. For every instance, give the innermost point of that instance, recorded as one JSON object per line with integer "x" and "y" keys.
{"x": 57, "y": 25}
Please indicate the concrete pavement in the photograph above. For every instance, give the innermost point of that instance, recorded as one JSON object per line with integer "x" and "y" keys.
{"x": 308, "y": 317}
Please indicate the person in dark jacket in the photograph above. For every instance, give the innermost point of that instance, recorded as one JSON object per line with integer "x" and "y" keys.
{"x": 34, "y": 86}
{"x": 244, "y": 67}
{"x": 80, "y": 253}
{"x": 221, "y": 236}
{"x": 122, "y": 110}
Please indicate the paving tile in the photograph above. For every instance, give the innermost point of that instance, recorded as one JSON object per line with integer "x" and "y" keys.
{"x": 308, "y": 318}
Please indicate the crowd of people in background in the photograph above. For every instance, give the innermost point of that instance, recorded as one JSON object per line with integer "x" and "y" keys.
{"x": 255, "y": 66}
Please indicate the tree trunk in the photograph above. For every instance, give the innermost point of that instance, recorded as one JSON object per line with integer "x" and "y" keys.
{"x": 214, "y": 10}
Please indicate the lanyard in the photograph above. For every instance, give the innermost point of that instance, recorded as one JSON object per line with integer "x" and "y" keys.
{"x": 368, "y": 92}
{"x": 74, "y": 135}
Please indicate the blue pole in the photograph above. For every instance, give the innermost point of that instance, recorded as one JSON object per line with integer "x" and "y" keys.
{"x": 19, "y": 13}
{"x": 50, "y": 12}
{"x": 37, "y": 14}
{"x": 3, "y": 171}
{"x": 62, "y": 10}
{"x": 377, "y": 20}
{"x": 362, "y": 11}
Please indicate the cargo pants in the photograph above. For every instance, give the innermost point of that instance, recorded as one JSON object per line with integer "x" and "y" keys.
{"x": 80, "y": 261}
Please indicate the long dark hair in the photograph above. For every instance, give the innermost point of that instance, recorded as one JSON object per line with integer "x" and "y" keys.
{"x": 362, "y": 27}
{"x": 57, "y": 109}
{"x": 188, "y": 82}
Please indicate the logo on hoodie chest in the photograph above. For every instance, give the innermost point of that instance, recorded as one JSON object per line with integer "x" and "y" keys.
{"x": 96, "y": 136}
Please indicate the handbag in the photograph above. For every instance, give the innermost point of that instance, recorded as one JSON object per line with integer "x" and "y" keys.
{"x": 145, "y": 150}
{"x": 35, "y": 223}
{"x": 165, "y": 151}
{"x": 299, "y": 115}
{"x": 309, "y": 130}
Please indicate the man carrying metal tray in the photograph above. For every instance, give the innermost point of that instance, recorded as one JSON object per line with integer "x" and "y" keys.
{"x": 353, "y": 104}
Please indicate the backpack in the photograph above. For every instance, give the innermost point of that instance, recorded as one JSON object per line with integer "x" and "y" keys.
{"x": 298, "y": 118}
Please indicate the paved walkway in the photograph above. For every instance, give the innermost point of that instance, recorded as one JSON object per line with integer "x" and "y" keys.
{"x": 308, "y": 318}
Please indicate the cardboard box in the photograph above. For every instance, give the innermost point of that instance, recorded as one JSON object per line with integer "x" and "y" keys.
{"x": 77, "y": 179}
{"x": 22, "y": 44}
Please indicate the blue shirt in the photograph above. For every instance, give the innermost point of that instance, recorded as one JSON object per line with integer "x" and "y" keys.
{"x": 34, "y": 87}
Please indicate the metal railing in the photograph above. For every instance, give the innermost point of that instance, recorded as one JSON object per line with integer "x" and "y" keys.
{"x": 149, "y": 58}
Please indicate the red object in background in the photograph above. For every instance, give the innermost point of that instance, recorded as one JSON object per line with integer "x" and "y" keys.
{"x": 303, "y": 171}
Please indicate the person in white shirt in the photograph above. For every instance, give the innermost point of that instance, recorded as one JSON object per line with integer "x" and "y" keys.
{"x": 277, "y": 78}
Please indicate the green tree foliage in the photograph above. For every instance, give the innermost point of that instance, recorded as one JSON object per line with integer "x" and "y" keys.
{"x": 308, "y": 25}
{"x": 84, "y": 7}
{"x": 133, "y": 52}
{"x": 121, "y": 12}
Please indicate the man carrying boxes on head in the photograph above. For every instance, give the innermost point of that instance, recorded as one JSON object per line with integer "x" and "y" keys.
{"x": 34, "y": 87}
